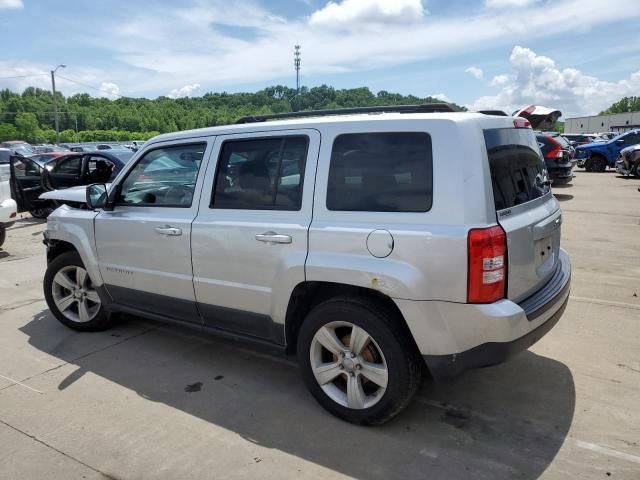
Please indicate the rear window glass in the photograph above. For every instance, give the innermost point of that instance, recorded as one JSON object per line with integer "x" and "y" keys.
{"x": 381, "y": 172}
{"x": 4, "y": 156}
{"x": 518, "y": 172}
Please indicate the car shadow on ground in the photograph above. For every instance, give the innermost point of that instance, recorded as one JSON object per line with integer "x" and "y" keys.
{"x": 562, "y": 197}
{"x": 502, "y": 422}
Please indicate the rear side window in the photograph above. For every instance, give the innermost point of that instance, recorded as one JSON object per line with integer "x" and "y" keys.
{"x": 381, "y": 172}
{"x": 261, "y": 174}
{"x": 518, "y": 172}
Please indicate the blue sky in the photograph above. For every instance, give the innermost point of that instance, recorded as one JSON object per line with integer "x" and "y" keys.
{"x": 576, "y": 55}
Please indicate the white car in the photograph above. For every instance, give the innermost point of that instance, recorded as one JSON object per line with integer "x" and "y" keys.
{"x": 8, "y": 207}
{"x": 372, "y": 243}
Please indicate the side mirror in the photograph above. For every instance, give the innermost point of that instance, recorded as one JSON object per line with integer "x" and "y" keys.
{"x": 97, "y": 196}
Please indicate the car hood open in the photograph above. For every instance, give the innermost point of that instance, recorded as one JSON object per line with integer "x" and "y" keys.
{"x": 74, "y": 194}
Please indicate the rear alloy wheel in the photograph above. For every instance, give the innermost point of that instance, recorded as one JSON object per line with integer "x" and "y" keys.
{"x": 71, "y": 296}
{"x": 598, "y": 164}
{"x": 357, "y": 360}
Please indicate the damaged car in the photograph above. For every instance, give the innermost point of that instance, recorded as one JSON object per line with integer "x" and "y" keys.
{"x": 29, "y": 179}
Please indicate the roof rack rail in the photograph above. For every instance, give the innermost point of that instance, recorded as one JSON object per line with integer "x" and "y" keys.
{"x": 498, "y": 113}
{"x": 423, "y": 108}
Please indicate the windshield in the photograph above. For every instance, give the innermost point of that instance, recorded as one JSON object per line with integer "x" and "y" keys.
{"x": 518, "y": 171}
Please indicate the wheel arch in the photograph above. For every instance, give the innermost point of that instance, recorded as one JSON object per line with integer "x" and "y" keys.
{"x": 307, "y": 295}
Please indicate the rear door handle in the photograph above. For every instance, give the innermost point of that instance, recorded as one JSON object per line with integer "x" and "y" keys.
{"x": 170, "y": 231}
{"x": 273, "y": 237}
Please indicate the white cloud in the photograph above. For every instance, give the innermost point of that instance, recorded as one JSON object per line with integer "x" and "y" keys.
{"x": 441, "y": 96}
{"x": 352, "y": 12}
{"x": 538, "y": 80}
{"x": 499, "y": 80}
{"x": 185, "y": 91}
{"x": 111, "y": 90}
{"x": 508, "y": 3}
{"x": 11, "y": 4}
{"x": 476, "y": 72}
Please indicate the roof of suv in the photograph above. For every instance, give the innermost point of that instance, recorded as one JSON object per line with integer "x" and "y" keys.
{"x": 488, "y": 121}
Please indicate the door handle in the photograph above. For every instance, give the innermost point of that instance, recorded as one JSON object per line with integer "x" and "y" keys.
{"x": 170, "y": 231}
{"x": 273, "y": 237}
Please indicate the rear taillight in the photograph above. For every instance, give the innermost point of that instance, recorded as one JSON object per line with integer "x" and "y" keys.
{"x": 556, "y": 151}
{"x": 487, "y": 275}
{"x": 519, "y": 122}
{"x": 13, "y": 215}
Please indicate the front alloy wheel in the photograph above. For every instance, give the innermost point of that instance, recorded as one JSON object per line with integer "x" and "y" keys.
{"x": 71, "y": 295}
{"x": 74, "y": 295}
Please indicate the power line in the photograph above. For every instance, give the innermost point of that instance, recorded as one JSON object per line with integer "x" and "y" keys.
{"x": 91, "y": 86}
{"x": 25, "y": 76}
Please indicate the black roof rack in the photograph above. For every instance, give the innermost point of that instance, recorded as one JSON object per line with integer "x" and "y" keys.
{"x": 424, "y": 108}
{"x": 498, "y": 113}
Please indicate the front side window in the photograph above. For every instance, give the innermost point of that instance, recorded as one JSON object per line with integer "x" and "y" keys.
{"x": 24, "y": 167}
{"x": 261, "y": 174}
{"x": 381, "y": 172}
{"x": 164, "y": 177}
{"x": 631, "y": 139}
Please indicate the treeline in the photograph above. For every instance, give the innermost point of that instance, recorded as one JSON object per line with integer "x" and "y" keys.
{"x": 625, "y": 105}
{"x": 29, "y": 115}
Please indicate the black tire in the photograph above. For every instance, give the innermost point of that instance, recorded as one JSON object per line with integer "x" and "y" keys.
{"x": 41, "y": 213}
{"x": 102, "y": 319}
{"x": 3, "y": 235}
{"x": 636, "y": 173}
{"x": 598, "y": 164}
{"x": 404, "y": 365}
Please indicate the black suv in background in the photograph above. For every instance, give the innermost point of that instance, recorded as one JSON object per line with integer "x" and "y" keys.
{"x": 558, "y": 156}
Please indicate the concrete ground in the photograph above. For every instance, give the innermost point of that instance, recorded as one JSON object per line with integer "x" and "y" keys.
{"x": 149, "y": 401}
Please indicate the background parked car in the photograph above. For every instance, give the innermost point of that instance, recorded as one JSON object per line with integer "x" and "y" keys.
{"x": 576, "y": 139}
{"x": 18, "y": 147}
{"x": 597, "y": 156}
{"x": 49, "y": 149}
{"x": 557, "y": 156}
{"x": 29, "y": 180}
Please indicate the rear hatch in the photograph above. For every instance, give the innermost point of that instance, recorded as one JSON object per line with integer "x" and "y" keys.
{"x": 525, "y": 209}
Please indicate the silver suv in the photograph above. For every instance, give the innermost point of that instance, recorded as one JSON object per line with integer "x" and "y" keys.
{"x": 374, "y": 246}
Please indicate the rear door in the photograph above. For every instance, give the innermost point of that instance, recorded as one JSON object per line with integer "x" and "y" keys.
{"x": 525, "y": 208}
{"x": 250, "y": 236}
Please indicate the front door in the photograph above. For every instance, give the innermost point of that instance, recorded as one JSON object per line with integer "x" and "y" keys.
{"x": 144, "y": 244}
{"x": 25, "y": 180}
{"x": 250, "y": 236}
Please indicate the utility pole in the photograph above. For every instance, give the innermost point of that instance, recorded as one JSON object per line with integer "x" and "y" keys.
{"x": 55, "y": 101}
{"x": 296, "y": 64}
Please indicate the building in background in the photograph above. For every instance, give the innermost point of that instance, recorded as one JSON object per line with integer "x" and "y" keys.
{"x": 617, "y": 122}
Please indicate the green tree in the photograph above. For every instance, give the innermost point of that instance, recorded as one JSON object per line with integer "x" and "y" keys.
{"x": 8, "y": 132}
{"x": 27, "y": 125}
{"x": 624, "y": 105}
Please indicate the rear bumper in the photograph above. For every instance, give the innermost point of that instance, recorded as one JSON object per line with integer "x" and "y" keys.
{"x": 454, "y": 337}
